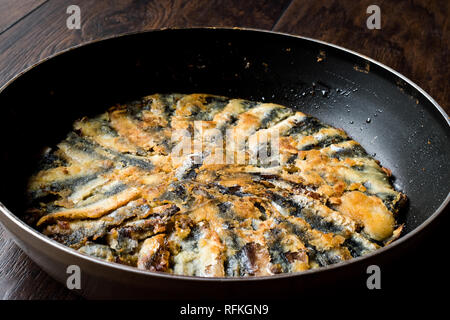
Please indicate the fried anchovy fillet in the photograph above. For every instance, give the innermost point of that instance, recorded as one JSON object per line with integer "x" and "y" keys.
{"x": 185, "y": 184}
{"x": 77, "y": 232}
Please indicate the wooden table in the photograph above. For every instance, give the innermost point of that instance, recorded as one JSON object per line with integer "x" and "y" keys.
{"x": 413, "y": 39}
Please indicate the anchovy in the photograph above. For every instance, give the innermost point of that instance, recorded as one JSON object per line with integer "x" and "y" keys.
{"x": 116, "y": 188}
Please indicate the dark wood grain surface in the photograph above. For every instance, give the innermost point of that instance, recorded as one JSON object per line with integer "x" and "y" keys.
{"x": 414, "y": 40}
{"x": 12, "y": 12}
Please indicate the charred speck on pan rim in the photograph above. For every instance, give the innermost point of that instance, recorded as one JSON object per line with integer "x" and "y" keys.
{"x": 5, "y": 214}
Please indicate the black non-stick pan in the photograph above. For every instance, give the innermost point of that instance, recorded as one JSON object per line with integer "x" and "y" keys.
{"x": 388, "y": 114}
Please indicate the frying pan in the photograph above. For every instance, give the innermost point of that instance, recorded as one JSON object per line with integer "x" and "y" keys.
{"x": 387, "y": 113}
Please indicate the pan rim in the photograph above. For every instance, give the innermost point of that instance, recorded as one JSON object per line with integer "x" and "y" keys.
{"x": 5, "y": 212}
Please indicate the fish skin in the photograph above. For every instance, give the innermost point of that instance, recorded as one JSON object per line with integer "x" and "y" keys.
{"x": 95, "y": 210}
{"x": 112, "y": 190}
{"x": 99, "y": 251}
{"x": 74, "y": 233}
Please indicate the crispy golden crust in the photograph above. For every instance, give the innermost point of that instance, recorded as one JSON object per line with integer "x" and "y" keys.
{"x": 124, "y": 187}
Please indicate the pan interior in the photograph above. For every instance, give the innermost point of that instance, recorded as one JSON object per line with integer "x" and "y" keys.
{"x": 375, "y": 107}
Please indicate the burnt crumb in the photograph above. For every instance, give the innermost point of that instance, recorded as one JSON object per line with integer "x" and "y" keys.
{"x": 247, "y": 256}
{"x": 159, "y": 261}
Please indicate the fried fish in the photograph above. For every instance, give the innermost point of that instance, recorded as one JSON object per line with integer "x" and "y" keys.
{"x": 189, "y": 184}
